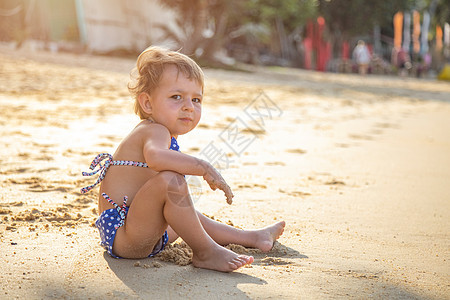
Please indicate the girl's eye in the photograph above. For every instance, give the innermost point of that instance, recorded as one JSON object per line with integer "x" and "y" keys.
{"x": 196, "y": 100}
{"x": 176, "y": 97}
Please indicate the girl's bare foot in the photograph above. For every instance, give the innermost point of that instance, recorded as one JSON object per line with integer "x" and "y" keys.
{"x": 220, "y": 259}
{"x": 268, "y": 235}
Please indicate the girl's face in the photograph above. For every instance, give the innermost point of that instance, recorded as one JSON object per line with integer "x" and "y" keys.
{"x": 177, "y": 102}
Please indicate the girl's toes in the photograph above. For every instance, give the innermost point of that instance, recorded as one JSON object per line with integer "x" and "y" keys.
{"x": 238, "y": 262}
{"x": 247, "y": 259}
{"x": 233, "y": 265}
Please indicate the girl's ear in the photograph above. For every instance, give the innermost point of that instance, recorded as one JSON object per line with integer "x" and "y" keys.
{"x": 145, "y": 103}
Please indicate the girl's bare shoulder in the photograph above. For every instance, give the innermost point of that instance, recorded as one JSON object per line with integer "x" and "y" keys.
{"x": 145, "y": 134}
{"x": 148, "y": 131}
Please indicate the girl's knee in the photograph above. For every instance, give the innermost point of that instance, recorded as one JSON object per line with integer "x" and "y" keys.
{"x": 163, "y": 184}
{"x": 176, "y": 187}
{"x": 172, "y": 180}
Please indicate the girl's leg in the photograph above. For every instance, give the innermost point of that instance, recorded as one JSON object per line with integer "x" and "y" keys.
{"x": 223, "y": 234}
{"x": 164, "y": 200}
{"x": 173, "y": 236}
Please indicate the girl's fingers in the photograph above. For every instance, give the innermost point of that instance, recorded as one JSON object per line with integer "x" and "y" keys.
{"x": 228, "y": 194}
{"x": 220, "y": 183}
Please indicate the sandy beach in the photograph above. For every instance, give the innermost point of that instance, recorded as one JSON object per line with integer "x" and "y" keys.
{"x": 358, "y": 167}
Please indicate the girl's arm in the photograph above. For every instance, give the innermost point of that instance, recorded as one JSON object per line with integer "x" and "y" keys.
{"x": 159, "y": 158}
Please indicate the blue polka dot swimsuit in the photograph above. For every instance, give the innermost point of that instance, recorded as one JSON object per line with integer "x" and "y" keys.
{"x": 112, "y": 219}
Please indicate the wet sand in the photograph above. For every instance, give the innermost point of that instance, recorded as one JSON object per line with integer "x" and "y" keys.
{"x": 358, "y": 167}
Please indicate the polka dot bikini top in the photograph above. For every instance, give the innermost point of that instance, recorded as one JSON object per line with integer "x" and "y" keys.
{"x": 108, "y": 161}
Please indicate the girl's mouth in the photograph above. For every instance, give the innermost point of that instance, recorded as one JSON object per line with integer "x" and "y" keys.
{"x": 186, "y": 119}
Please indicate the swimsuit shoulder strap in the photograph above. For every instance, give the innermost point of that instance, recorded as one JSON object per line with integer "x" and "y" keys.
{"x": 174, "y": 144}
{"x": 129, "y": 163}
{"x": 108, "y": 161}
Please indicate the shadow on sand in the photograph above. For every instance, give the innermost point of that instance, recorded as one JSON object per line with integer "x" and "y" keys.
{"x": 173, "y": 281}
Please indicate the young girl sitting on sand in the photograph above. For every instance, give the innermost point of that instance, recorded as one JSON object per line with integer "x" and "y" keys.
{"x": 147, "y": 169}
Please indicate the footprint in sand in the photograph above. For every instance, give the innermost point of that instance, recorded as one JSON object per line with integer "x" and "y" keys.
{"x": 250, "y": 186}
{"x": 269, "y": 261}
{"x": 30, "y": 180}
{"x": 361, "y": 137}
{"x": 296, "y": 151}
{"x": 106, "y": 145}
{"x": 41, "y": 188}
{"x": 275, "y": 163}
{"x": 335, "y": 182}
{"x": 376, "y": 131}
{"x": 254, "y": 131}
{"x": 203, "y": 126}
{"x": 14, "y": 171}
{"x": 385, "y": 125}
{"x": 342, "y": 145}
{"x": 295, "y": 193}
{"x": 47, "y": 170}
{"x": 298, "y": 194}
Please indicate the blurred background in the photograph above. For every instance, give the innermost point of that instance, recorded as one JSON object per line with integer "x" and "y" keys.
{"x": 402, "y": 37}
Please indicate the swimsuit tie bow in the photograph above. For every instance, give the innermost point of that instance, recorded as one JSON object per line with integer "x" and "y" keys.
{"x": 102, "y": 168}
{"x": 122, "y": 210}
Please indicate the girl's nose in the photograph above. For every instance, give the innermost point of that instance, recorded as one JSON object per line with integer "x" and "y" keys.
{"x": 188, "y": 105}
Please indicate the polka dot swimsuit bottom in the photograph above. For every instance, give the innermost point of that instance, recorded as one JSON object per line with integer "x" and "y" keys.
{"x": 112, "y": 219}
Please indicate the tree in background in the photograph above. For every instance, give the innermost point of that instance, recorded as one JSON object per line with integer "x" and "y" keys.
{"x": 208, "y": 26}
{"x": 202, "y": 25}
{"x": 191, "y": 21}
{"x": 278, "y": 25}
{"x": 442, "y": 13}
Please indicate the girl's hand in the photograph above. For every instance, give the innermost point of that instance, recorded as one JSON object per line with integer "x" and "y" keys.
{"x": 216, "y": 181}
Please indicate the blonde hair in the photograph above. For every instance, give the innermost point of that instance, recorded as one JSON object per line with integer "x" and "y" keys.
{"x": 150, "y": 66}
